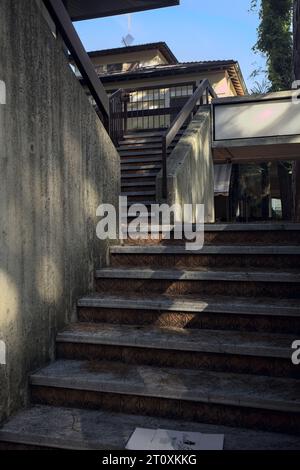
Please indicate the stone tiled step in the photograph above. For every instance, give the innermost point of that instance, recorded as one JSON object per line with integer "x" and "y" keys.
{"x": 139, "y": 193}
{"x": 224, "y": 351}
{"x": 140, "y": 160}
{"x": 140, "y": 141}
{"x": 176, "y": 256}
{"x": 138, "y": 135}
{"x": 148, "y": 134}
{"x": 200, "y": 275}
{"x": 217, "y": 313}
{"x": 242, "y": 234}
{"x": 238, "y": 282}
{"x": 136, "y": 184}
{"x": 253, "y": 227}
{"x": 233, "y": 306}
{"x": 143, "y": 176}
{"x": 253, "y": 401}
{"x": 78, "y": 429}
{"x": 128, "y": 153}
{"x": 289, "y": 250}
{"x": 221, "y": 342}
{"x": 137, "y": 147}
{"x": 144, "y": 166}
{"x": 146, "y": 203}
{"x": 97, "y": 430}
{"x": 146, "y": 145}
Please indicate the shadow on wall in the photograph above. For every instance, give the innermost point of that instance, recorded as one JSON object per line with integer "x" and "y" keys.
{"x": 57, "y": 165}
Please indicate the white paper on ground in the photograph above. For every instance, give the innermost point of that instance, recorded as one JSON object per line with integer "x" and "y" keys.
{"x": 163, "y": 439}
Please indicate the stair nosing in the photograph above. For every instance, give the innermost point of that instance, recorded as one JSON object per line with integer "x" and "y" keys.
{"x": 208, "y": 249}
{"x": 194, "y": 306}
{"x": 198, "y": 275}
{"x": 120, "y": 387}
{"x": 205, "y": 344}
{"x": 21, "y": 430}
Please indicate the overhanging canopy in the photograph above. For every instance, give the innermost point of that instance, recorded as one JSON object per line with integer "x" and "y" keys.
{"x": 87, "y": 9}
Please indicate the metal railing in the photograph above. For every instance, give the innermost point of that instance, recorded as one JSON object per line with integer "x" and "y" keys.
{"x": 201, "y": 96}
{"x": 118, "y": 116}
{"x": 67, "y": 31}
{"x": 161, "y": 104}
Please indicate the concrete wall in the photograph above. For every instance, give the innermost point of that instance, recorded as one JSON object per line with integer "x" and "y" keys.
{"x": 57, "y": 164}
{"x": 190, "y": 167}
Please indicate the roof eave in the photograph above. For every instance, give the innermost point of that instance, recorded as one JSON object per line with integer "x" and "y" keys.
{"x": 162, "y": 72}
{"x": 100, "y": 13}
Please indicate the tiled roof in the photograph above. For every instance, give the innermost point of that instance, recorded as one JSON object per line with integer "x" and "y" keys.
{"x": 231, "y": 66}
{"x": 161, "y": 46}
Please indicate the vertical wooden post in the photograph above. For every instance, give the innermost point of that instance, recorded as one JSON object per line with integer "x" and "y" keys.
{"x": 296, "y": 164}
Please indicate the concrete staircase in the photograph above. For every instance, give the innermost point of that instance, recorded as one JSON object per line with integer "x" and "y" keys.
{"x": 174, "y": 339}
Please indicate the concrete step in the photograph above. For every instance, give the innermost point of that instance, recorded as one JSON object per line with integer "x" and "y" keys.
{"x": 79, "y": 429}
{"x": 138, "y": 193}
{"x": 221, "y": 351}
{"x": 140, "y": 160}
{"x": 144, "y": 142}
{"x": 141, "y": 134}
{"x": 146, "y": 203}
{"x": 150, "y": 152}
{"x": 243, "y": 234}
{"x": 177, "y": 256}
{"x": 138, "y": 147}
{"x": 149, "y": 133}
{"x": 238, "y": 282}
{"x": 145, "y": 166}
{"x": 136, "y": 184}
{"x": 140, "y": 141}
{"x": 142, "y": 176}
{"x": 259, "y": 402}
{"x": 217, "y": 313}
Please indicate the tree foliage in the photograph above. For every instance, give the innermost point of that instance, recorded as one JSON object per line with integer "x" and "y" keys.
{"x": 275, "y": 40}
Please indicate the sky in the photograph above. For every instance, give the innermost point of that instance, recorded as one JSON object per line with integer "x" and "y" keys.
{"x": 196, "y": 30}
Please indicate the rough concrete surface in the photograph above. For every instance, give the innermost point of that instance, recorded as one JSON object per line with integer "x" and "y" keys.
{"x": 190, "y": 169}
{"x": 57, "y": 164}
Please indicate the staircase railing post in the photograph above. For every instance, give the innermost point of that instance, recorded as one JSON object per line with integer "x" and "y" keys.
{"x": 125, "y": 101}
{"x": 164, "y": 168}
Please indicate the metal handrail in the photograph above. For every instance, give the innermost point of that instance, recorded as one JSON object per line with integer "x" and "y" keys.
{"x": 189, "y": 109}
{"x": 66, "y": 29}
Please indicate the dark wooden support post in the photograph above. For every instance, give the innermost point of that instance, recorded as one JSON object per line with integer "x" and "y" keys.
{"x": 296, "y": 164}
{"x": 285, "y": 181}
{"x": 266, "y": 191}
{"x": 66, "y": 29}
